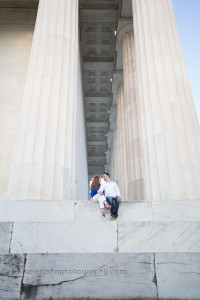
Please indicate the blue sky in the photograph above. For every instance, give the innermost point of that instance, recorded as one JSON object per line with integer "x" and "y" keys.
{"x": 187, "y": 14}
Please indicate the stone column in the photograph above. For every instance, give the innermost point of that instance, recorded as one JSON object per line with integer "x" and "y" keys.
{"x": 117, "y": 98}
{"x": 122, "y": 144}
{"x": 122, "y": 157}
{"x": 170, "y": 136}
{"x": 111, "y": 171}
{"x": 134, "y": 174}
{"x": 119, "y": 145}
{"x": 111, "y": 154}
{"x": 119, "y": 156}
{"x": 44, "y": 161}
{"x": 115, "y": 153}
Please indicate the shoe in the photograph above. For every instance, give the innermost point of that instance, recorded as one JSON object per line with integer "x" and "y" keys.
{"x": 114, "y": 215}
{"x": 103, "y": 213}
{"x": 107, "y": 205}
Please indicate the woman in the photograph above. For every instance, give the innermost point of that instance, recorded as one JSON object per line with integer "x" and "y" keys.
{"x": 95, "y": 196}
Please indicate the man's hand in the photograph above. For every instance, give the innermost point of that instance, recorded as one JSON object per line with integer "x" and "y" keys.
{"x": 101, "y": 193}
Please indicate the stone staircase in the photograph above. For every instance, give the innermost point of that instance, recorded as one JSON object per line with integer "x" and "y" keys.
{"x": 66, "y": 249}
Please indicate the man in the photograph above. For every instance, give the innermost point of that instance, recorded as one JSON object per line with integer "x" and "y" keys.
{"x": 112, "y": 193}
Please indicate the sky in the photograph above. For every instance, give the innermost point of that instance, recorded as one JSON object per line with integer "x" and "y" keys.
{"x": 187, "y": 13}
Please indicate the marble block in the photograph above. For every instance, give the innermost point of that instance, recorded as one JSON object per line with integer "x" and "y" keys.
{"x": 89, "y": 211}
{"x": 5, "y": 236}
{"x": 178, "y": 275}
{"x": 89, "y": 275}
{"x": 182, "y": 210}
{"x": 65, "y": 237}
{"x": 36, "y": 211}
{"x": 159, "y": 236}
{"x": 128, "y": 211}
{"x": 11, "y": 270}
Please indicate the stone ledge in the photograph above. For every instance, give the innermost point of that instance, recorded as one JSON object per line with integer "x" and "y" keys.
{"x": 65, "y": 237}
{"x": 69, "y": 211}
{"x": 36, "y": 211}
{"x": 108, "y": 275}
{"x": 98, "y": 237}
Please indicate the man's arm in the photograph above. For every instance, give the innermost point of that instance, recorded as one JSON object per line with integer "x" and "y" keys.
{"x": 100, "y": 191}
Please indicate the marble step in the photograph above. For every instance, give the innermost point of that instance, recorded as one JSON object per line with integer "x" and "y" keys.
{"x": 97, "y": 275}
{"x": 99, "y": 237}
{"x": 66, "y": 249}
{"x": 84, "y": 211}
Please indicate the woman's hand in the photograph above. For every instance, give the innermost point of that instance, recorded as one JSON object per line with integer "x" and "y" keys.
{"x": 91, "y": 198}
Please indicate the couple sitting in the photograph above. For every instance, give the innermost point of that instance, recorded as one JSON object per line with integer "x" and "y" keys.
{"x": 107, "y": 193}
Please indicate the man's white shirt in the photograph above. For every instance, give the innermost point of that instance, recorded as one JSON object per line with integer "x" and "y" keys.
{"x": 110, "y": 189}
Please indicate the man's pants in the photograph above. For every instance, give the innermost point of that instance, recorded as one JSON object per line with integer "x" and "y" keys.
{"x": 115, "y": 205}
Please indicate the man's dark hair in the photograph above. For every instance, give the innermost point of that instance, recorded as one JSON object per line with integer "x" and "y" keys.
{"x": 107, "y": 174}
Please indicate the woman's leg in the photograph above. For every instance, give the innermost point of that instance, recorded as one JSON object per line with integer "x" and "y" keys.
{"x": 95, "y": 198}
{"x": 103, "y": 212}
{"x": 101, "y": 201}
{"x": 101, "y": 204}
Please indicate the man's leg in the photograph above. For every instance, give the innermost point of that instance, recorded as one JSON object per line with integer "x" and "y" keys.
{"x": 116, "y": 206}
{"x": 110, "y": 201}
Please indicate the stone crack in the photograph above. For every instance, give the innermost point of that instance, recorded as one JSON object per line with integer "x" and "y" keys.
{"x": 52, "y": 284}
{"x": 155, "y": 276}
{"x": 10, "y": 238}
{"x": 22, "y": 281}
{"x": 30, "y": 290}
{"x": 117, "y": 248}
{"x": 9, "y": 276}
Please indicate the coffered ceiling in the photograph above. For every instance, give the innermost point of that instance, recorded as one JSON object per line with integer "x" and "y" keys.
{"x": 19, "y": 3}
{"x": 99, "y": 4}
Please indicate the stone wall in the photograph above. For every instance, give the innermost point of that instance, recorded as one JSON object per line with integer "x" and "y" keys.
{"x": 16, "y": 33}
{"x": 39, "y": 276}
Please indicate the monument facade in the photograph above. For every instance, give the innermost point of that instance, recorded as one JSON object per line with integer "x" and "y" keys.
{"x": 47, "y": 139}
{"x": 91, "y": 86}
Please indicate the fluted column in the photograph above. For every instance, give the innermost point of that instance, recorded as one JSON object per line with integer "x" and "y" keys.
{"x": 115, "y": 152}
{"x": 119, "y": 145}
{"x": 117, "y": 99}
{"x": 44, "y": 162}
{"x": 122, "y": 144}
{"x": 134, "y": 168}
{"x": 111, "y": 166}
{"x": 170, "y": 131}
{"x": 111, "y": 170}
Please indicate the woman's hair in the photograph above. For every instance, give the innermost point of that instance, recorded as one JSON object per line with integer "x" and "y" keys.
{"x": 95, "y": 183}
